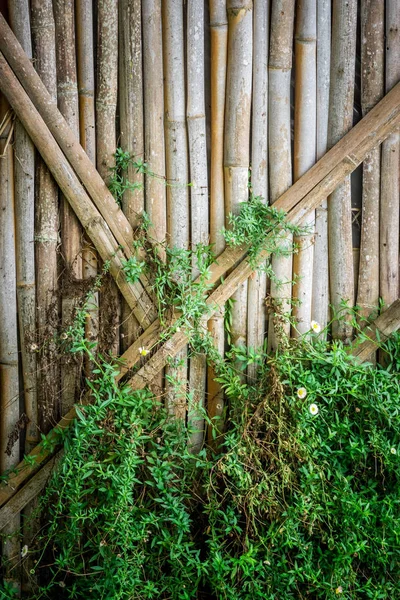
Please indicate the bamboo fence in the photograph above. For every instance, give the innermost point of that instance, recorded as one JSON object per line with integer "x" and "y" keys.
{"x": 235, "y": 98}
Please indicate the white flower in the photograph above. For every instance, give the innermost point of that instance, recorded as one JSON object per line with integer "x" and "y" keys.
{"x": 339, "y": 590}
{"x": 393, "y": 450}
{"x": 64, "y": 336}
{"x": 143, "y": 351}
{"x": 314, "y": 410}
{"x": 34, "y": 347}
{"x": 301, "y": 393}
{"x": 316, "y": 327}
{"x": 24, "y": 551}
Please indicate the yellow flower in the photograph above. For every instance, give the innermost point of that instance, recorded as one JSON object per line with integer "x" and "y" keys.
{"x": 393, "y": 450}
{"x": 314, "y": 410}
{"x": 339, "y": 590}
{"x": 301, "y": 393}
{"x": 316, "y": 327}
{"x": 143, "y": 351}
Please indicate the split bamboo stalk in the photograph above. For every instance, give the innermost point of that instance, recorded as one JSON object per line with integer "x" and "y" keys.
{"x": 305, "y": 195}
{"x": 259, "y": 167}
{"x": 24, "y": 174}
{"x": 106, "y": 145}
{"x": 9, "y": 384}
{"x": 320, "y": 298}
{"x": 279, "y": 142}
{"x": 176, "y": 170}
{"x": 71, "y": 233}
{"x": 390, "y": 173}
{"x": 196, "y": 122}
{"x": 85, "y": 70}
{"x": 344, "y": 24}
{"x": 372, "y": 89}
{"x": 156, "y": 201}
{"x": 131, "y": 124}
{"x": 65, "y": 137}
{"x": 46, "y": 229}
{"x": 237, "y": 134}
{"x": 219, "y": 48}
{"x": 305, "y": 117}
{"x": 96, "y": 227}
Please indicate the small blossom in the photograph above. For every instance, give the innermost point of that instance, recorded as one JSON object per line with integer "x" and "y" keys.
{"x": 339, "y": 590}
{"x": 64, "y": 336}
{"x": 102, "y": 543}
{"x": 62, "y": 584}
{"x": 314, "y": 410}
{"x": 24, "y": 551}
{"x": 358, "y": 409}
{"x": 143, "y": 351}
{"x": 178, "y": 329}
{"x": 301, "y": 393}
{"x": 393, "y": 451}
{"x": 315, "y": 326}
{"x": 266, "y": 562}
{"x": 34, "y": 347}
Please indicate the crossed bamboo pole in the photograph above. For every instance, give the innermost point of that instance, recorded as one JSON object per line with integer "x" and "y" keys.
{"x": 298, "y": 201}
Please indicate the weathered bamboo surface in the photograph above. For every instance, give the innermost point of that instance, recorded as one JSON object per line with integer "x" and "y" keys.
{"x": 206, "y": 100}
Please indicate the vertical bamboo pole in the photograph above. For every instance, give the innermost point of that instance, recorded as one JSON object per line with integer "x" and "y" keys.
{"x": 46, "y": 229}
{"x": 131, "y": 124}
{"x": 156, "y": 202}
{"x": 344, "y": 22}
{"x": 259, "y": 166}
{"x": 305, "y": 117}
{"x": 320, "y": 299}
{"x": 68, "y": 103}
{"x": 106, "y": 144}
{"x": 237, "y": 133}
{"x": 85, "y": 68}
{"x": 279, "y": 144}
{"x": 389, "y": 212}
{"x": 9, "y": 384}
{"x": 219, "y": 49}
{"x": 372, "y": 87}
{"x": 196, "y": 122}
{"x": 24, "y": 172}
{"x": 176, "y": 168}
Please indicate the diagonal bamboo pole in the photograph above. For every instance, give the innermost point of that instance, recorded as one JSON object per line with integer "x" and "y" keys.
{"x": 304, "y": 155}
{"x": 305, "y": 195}
{"x": 279, "y": 142}
{"x": 344, "y": 22}
{"x": 320, "y": 299}
{"x": 96, "y": 227}
{"x": 219, "y": 48}
{"x": 372, "y": 89}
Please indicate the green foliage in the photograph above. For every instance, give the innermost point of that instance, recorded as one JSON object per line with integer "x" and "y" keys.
{"x": 119, "y": 182}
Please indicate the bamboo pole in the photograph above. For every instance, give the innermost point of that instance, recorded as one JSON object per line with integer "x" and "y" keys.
{"x": 96, "y": 227}
{"x": 106, "y": 144}
{"x": 9, "y": 383}
{"x": 24, "y": 174}
{"x": 156, "y": 201}
{"x": 219, "y": 48}
{"x": 372, "y": 89}
{"x": 280, "y": 161}
{"x": 199, "y": 219}
{"x": 46, "y": 229}
{"x": 259, "y": 167}
{"x": 305, "y": 195}
{"x": 320, "y": 298}
{"x": 305, "y": 117}
{"x": 131, "y": 124}
{"x": 389, "y": 210}
{"x": 87, "y": 135}
{"x": 344, "y": 22}
{"x": 177, "y": 171}
{"x": 71, "y": 233}
{"x": 237, "y": 133}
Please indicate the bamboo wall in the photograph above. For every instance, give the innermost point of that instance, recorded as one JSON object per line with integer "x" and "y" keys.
{"x": 206, "y": 93}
